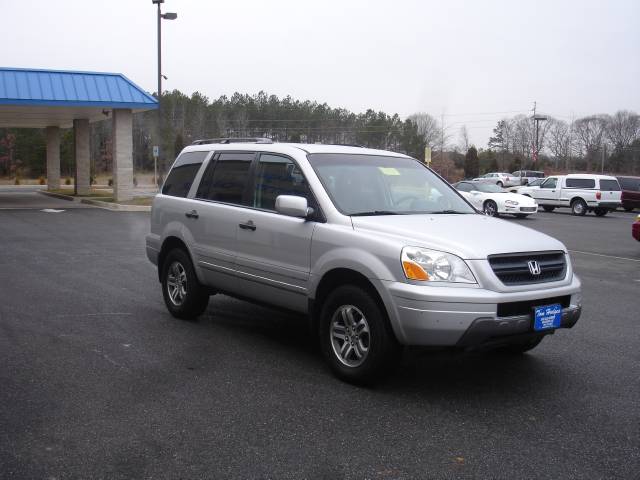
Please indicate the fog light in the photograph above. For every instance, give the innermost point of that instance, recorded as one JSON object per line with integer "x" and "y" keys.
{"x": 576, "y": 299}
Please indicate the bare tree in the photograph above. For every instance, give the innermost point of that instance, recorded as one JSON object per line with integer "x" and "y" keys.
{"x": 590, "y": 135}
{"x": 428, "y": 128}
{"x": 622, "y": 128}
{"x": 559, "y": 141}
{"x": 464, "y": 138}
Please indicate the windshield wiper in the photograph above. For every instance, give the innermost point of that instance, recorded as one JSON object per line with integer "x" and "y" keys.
{"x": 456, "y": 212}
{"x": 375, "y": 212}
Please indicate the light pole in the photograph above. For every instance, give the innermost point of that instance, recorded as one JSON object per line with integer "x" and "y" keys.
{"x": 161, "y": 16}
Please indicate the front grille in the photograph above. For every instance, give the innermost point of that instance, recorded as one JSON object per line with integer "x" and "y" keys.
{"x": 511, "y": 309}
{"x": 513, "y": 268}
{"x": 528, "y": 209}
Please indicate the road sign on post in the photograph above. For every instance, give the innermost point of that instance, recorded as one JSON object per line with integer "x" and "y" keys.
{"x": 427, "y": 155}
{"x": 156, "y": 154}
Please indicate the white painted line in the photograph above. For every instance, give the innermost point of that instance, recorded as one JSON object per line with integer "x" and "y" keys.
{"x": 607, "y": 256}
{"x": 51, "y": 210}
{"x": 90, "y": 314}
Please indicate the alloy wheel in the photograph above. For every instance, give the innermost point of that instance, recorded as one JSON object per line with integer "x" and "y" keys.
{"x": 350, "y": 335}
{"x": 177, "y": 283}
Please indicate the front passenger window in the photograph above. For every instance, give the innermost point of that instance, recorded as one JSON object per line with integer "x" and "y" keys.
{"x": 549, "y": 183}
{"x": 275, "y": 176}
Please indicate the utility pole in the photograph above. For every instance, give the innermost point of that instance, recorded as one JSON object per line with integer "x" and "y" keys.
{"x": 537, "y": 119}
{"x": 156, "y": 149}
{"x": 604, "y": 150}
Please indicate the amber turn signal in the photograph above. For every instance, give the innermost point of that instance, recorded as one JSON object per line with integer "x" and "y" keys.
{"x": 413, "y": 271}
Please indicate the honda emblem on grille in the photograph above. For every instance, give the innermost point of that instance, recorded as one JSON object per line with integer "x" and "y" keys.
{"x": 534, "y": 267}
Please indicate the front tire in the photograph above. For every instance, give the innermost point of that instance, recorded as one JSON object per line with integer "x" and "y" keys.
{"x": 500, "y": 184}
{"x": 628, "y": 209}
{"x": 579, "y": 207}
{"x": 548, "y": 208}
{"x": 183, "y": 295}
{"x": 355, "y": 336}
{"x": 600, "y": 212}
{"x": 490, "y": 208}
{"x": 521, "y": 215}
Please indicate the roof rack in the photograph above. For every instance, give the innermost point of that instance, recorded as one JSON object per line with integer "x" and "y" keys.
{"x": 232, "y": 140}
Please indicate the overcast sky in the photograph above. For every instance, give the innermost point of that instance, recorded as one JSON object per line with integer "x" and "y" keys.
{"x": 474, "y": 61}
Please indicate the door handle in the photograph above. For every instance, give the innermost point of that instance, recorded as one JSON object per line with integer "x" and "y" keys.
{"x": 191, "y": 214}
{"x": 248, "y": 226}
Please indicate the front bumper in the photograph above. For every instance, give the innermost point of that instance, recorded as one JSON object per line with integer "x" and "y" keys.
{"x": 468, "y": 317}
{"x": 489, "y": 331}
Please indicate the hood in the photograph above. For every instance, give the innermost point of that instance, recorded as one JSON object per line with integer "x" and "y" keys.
{"x": 471, "y": 236}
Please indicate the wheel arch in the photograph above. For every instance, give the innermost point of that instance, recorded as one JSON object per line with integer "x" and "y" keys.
{"x": 169, "y": 244}
{"x": 338, "y": 277}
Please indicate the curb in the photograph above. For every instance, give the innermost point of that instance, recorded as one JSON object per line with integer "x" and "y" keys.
{"x": 59, "y": 196}
{"x": 116, "y": 206}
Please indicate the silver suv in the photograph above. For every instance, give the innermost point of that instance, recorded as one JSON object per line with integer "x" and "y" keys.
{"x": 376, "y": 248}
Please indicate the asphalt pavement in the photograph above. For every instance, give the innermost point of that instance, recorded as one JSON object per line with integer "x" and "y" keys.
{"x": 97, "y": 380}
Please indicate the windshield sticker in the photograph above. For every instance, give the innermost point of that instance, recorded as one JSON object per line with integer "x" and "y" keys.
{"x": 389, "y": 170}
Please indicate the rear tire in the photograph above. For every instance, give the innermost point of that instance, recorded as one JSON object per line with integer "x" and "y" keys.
{"x": 183, "y": 295}
{"x": 355, "y": 336}
{"x": 578, "y": 207}
{"x": 548, "y": 208}
{"x": 600, "y": 212}
{"x": 500, "y": 184}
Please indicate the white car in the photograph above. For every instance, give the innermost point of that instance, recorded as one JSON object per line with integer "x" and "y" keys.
{"x": 528, "y": 188}
{"x": 499, "y": 179}
{"x": 494, "y": 201}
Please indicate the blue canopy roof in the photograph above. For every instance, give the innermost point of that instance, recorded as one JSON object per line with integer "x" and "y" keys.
{"x": 59, "y": 88}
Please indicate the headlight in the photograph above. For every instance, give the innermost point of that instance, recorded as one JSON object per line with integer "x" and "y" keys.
{"x": 511, "y": 202}
{"x": 433, "y": 266}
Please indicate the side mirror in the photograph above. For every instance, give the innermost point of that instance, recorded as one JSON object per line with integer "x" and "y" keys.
{"x": 293, "y": 206}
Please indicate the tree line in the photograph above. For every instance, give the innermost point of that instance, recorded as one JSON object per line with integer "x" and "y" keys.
{"x": 578, "y": 145}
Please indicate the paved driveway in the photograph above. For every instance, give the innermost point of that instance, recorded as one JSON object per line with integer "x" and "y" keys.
{"x": 98, "y": 381}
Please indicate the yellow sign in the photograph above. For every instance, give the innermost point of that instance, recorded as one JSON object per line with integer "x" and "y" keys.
{"x": 427, "y": 155}
{"x": 389, "y": 171}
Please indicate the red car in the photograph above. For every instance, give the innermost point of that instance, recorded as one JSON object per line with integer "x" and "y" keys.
{"x": 630, "y": 192}
{"x": 635, "y": 228}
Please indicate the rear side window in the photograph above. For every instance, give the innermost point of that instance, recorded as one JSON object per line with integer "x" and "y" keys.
{"x": 581, "y": 183}
{"x": 275, "y": 176}
{"x": 609, "y": 185}
{"x": 226, "y": 179}
{"x": 184, "y": 170}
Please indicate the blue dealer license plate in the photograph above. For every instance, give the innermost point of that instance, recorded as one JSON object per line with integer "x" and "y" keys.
{"x": 546, "y": 317}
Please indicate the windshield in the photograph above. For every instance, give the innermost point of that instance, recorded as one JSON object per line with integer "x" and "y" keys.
{"x": 535, "y": 182}
{"x": 380, "y": 185}
{"x": 487, "y": 188}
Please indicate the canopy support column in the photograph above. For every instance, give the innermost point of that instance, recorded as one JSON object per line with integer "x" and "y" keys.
{"x": 122, "y": 142}
{"x": 81, "y": 150}
{"x": 53, "y": 158}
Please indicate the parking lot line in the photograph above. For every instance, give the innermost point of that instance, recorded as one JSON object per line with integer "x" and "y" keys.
{"x": 603, "y": 255}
